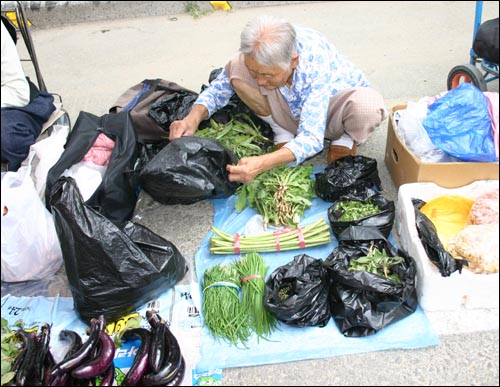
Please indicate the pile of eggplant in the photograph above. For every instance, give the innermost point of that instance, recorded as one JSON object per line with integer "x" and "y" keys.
{"x": 158, "y": 362}
{"x": 33, "y": 362}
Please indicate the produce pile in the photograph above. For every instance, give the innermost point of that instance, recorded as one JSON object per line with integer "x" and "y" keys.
{"x": 468, "y": 228}
{"x": 27, "y": 359}
{"x": 239, "y": 135}
{"x": 379, "y": 263}
{"x": 233, "y": 300}
{"x": 281, "y": 195}
{"x": 314, "y": 234}
{"x": 349, "y": 210}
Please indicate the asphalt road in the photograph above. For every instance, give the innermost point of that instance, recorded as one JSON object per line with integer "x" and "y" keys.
{"x": 406, "y": 50}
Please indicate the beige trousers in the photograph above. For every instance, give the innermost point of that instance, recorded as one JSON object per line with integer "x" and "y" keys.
{"x": 356, "y": 111}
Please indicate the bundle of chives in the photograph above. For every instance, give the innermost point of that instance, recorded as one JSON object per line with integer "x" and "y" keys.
{"x": 222, "y": 308}
{"x": 315, "y": 234}
{"x": 252, "y": 271}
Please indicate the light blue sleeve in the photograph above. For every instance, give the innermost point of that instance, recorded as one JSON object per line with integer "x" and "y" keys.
{"x": 217, "y": 94}
{"x": 313, "y": 82}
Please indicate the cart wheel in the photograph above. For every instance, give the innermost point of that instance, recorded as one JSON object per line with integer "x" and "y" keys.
{"x": 466, "y": 73}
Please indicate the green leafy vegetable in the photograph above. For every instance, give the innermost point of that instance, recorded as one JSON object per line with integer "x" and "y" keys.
{"x": 349, "y": 210}
{"x": 377, "y": 262}
{"x": 281, "y": 195}
{"x": 239, "y": 135}
{"x": 11, "y": 347}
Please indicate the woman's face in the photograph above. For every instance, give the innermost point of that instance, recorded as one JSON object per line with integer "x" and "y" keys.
{"x": 270, "y": 77}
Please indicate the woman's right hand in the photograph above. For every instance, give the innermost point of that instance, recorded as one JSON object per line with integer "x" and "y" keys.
{"x": 190, "y": 123}
{"x": 181, "y": 128}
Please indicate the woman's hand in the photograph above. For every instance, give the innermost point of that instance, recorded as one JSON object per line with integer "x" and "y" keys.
{"x": 246, "y": 170}
{"x": 249, "y": 167}
{"x": 181, "y": 128}
{"x": 190, "y": 123}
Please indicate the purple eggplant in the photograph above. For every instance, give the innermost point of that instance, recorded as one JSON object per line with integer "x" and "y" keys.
{"x": 141, "y": 360}
{"x": 97, "y": 365}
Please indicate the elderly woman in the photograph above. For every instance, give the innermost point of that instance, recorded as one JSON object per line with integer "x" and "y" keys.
{"x": 295, "y": 80}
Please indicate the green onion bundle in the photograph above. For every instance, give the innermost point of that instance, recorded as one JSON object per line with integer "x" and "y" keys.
{"x": 314, "y": 234}
{"x": 252, "y": 271}
{"x": 222, "y": 308}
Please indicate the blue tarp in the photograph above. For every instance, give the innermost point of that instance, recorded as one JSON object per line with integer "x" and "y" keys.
{"x": 293, "y": 343}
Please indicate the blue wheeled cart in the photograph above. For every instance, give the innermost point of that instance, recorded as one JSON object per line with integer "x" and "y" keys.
{"x": 484, "y": 53}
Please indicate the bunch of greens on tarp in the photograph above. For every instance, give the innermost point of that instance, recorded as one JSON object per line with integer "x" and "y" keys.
{"x": 252, "y": 270}
{"x": 223, "y": 311}
{"x": 281, "y": 195}
{"x": 310, "y": 235}
{"x": 233, "y": 300}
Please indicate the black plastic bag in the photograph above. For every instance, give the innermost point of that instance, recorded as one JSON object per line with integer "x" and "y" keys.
{"x": 116, "y": 196}
{"x": 444, "y": 261}
{"x": 111, "y": 270}
{"x": 187, "y": 170}
{"x": 347, "y": 175}
{"x": 171, "y": 108}
{"x": 147, "y": 151}
{"x": 486, "y": 43}
{"x": 382, "y": 220}
{"x": 297, "y": 293}
{"x": 363, "y": 303}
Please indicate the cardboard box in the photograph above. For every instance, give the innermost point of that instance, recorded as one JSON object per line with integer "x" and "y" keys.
{"x": 405, "y": 167}
{"x": 435, "y": 292}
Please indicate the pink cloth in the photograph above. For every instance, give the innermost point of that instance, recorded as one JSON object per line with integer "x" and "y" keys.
{"x": 100, "y": 153}
{"x": 492, "y": 98}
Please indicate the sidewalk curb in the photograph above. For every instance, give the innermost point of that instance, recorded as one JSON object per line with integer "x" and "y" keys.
{"x": 49, "y": 14}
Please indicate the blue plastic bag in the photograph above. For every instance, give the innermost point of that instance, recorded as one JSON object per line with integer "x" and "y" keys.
{"x": 459, "y": 124}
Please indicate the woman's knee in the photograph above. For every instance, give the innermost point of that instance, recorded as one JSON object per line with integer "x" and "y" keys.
{"x": 369, "y": 103}
{"x": 367, "y": 111}
{"x": 251, "y": 97}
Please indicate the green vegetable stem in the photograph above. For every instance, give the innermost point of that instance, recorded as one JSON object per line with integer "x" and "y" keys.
{"x": 222, "y": 308}
{"x": 314, "y": 234}
{"x": 281, "y": 195}
{"x": 252, "y": 271}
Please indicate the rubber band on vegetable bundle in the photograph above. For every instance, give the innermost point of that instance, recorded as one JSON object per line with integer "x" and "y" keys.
{"x": 314, "y": 234}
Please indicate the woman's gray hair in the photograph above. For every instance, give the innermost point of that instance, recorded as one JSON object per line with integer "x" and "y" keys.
{"x": 270, "y": 41}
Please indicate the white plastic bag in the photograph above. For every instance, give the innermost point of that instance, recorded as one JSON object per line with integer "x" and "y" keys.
{"x": 411, "y": 130}
{"x": 46, "y": 154}
{"x": 30, "y": 246}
